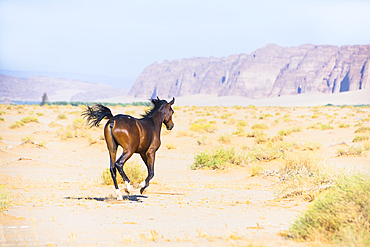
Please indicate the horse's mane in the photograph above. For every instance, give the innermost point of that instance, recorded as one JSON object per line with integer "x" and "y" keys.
{"x": 157, "y": 103}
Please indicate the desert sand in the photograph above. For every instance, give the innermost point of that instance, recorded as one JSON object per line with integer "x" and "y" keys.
{"x": 57, "y": 197}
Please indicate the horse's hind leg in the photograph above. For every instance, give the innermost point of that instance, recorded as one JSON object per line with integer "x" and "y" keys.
{"x": 119, "y": 164}
{"x": 112, "y": 148}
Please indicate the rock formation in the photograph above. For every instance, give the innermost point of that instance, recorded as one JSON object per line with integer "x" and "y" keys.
{"x": 57, "y": 89}
{"x": 267, "y": 72}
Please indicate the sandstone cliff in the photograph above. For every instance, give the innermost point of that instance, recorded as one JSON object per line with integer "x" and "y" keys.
{"x": 268, "y": 72}
{"x": 32, "y": 89}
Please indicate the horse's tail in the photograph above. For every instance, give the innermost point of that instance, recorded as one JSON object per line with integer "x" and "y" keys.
{"x": 96, "y": 113}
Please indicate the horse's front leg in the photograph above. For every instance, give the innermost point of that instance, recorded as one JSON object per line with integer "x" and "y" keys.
{"x": 149, "y": 162}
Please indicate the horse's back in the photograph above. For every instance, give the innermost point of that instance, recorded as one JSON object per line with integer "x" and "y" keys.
{"x": 125, "y": 131}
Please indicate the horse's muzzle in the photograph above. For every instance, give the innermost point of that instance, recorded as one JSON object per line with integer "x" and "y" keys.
{"x": 170, "y": 127}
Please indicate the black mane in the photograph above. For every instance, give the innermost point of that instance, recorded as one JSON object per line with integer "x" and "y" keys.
{"x": 157, "y": 103}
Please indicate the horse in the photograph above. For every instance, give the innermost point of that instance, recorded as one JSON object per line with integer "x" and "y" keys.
{"x": 134, "y": 135}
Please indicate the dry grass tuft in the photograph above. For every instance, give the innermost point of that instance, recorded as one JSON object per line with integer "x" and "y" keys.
{"x": 303, "y": 175}
{"x": 134, "y": 171}
{"x": 341, "y": 216}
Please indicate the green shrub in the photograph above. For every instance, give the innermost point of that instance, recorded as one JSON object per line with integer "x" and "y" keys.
{"x": 362, "y": 129}
{"x": 241, "y": 123}
{"x": 226, "y": 115}
{"x": 29, "y": 119}
{"x": 287, "y": 132}
{"x": 260, "y": 126}
{"x": 342, "y": 125}
{"x": 314, "y": 126}
{"x": 359, "y": 138}
{"x": 62, "y": 116}
{"x": 217, "y": 158}
{"x": 4, "y": 197}
{"x": 17, "y": 124}
{"x": 326, "y": 127}
{"x": 341, "y": 216}
{"x": 1, "y": 119}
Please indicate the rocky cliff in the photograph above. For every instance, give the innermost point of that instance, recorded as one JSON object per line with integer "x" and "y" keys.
{"x": 268, "y": 72}
{"x": 32, "y": 89}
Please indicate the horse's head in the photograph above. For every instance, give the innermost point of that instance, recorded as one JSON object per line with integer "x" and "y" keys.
{"x": 168, "y": 114}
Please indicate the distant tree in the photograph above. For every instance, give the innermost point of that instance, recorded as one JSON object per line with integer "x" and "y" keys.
{"x": 44, "y": 100}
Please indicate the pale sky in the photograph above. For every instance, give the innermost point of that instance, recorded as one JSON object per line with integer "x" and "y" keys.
{"x": 119, "y": 38}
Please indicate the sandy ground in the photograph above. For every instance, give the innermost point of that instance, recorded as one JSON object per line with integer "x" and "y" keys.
{"x": 57, "y": 197}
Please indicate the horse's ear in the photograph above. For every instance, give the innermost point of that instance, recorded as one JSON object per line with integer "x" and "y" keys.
{"x": 158, "y": 98}
{"x": 172, "y": 101}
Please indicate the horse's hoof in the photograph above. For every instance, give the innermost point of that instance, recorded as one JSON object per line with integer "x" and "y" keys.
{"x": 119, "y": 195}
{"x": 142, "y": 191}
{"x": 127, "y": 192}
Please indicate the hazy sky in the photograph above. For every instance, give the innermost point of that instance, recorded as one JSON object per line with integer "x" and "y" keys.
{"x": 119, "y": 38}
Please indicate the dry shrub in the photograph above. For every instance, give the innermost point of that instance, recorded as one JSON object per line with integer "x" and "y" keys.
{"x": 341, "y": 216}
{"x": 201, "y": 128}
{"x": 351, "y": 150}
{"x": 170, "y": 146}
{"x": 224, "y": 139}
{"x": 255, "y": 133}
{"x": 62, "y": 116}
{"x": 303, "y": 175}
{"x": 202, "y": 141}
{"x": 28, "y": 139}
{"x": 240, "y": 132}
{"x": 134, "y": 171}
{"x": 367, "y": 145}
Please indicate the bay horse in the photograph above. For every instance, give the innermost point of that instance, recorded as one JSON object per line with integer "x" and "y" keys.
{"x": 134, "y": 135}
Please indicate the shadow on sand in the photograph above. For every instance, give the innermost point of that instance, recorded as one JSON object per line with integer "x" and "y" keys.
{"x": 110, "y": 199}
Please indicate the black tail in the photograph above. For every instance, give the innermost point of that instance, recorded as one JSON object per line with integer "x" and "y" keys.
{"x": 96, "y": 113}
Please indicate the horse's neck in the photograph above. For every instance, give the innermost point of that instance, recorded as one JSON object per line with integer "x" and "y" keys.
{"x": 158, "y": 118}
